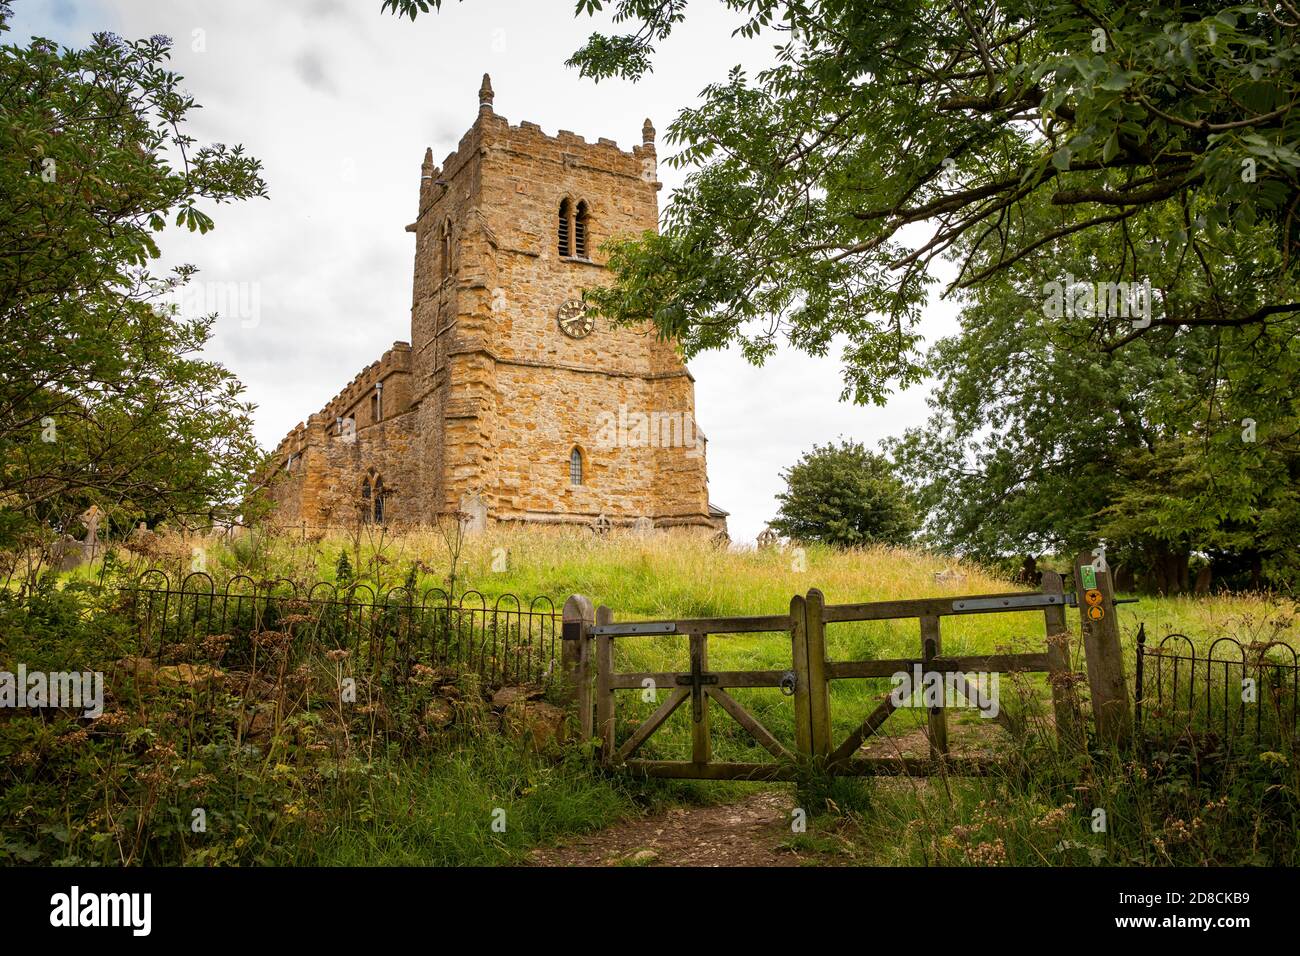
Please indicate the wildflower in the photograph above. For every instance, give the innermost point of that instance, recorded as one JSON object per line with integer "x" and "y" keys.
{"x": 1054, "y": 818}
{"x": 76, "y": 738}
{"x": 988, "y": 854}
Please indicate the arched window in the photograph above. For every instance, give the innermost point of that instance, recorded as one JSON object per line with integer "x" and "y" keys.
{"x": 365, "y": 499}
{"x": 566, "y": 213}
{"x": 379, "y": 501}
{"x": 446, "y": 248}
{"x": 575, "y": 466}
{"x": 580, "y": 231}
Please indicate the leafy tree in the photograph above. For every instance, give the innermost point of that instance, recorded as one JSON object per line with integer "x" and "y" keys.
{"x": 103, "y": 396}
{"x": 844, "y": 495}
{"x": 889, "y": 134}
{"x": 1185, "y": 440}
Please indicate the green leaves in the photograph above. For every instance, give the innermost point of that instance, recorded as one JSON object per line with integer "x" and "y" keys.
{"x": 410, "y": 8}
{"x": 817, "y": 190}
{"x": 95, "y": 380}
{"x": 844, "y": 495}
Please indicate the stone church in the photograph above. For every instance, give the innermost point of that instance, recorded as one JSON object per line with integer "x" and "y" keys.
{"x": 511, "y": 403}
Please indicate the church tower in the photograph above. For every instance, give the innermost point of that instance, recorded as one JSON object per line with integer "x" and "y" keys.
{"x": 510, "y": 403}
{"x": 528, "y": 409}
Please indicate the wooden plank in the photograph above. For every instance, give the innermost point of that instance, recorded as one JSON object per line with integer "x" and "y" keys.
{"x": 701, "y": 743}
{"x": 633, "y": 680}
{"x": 977, "y": 700}
{"x": 750, "y": 723}
{"x": 918, "y": 607}
{"x": 868, "y": 727}
{"x": 988, "y": 663}
{"x": 803, "y": 741}
{"x": 936, "y": 719}
{"x": 575, "y": 662}
{"x": 819, "y": 702}
{"x": 1065, "y": 702}
{"x": 1101, "y": 644}
{"x": 651, "y": 724}
{"x": 604, "y": 692}
{"x": 720, "y": 625}
{"x": 686, "y": 770}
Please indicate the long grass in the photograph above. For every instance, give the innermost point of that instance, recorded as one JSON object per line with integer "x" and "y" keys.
{"x": 1041, "y": 810}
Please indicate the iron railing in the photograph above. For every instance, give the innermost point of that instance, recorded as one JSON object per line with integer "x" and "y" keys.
{"x": 1229, "y": 694}
{"x": 391, "y": 630}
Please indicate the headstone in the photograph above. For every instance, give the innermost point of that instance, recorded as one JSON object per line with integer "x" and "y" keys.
{"x": 767, "y": 539}
{"x": 475, "y": 509}
{"x": 643, "y": 526}
{"x": 67, "y": 553}
{"x": 601, "y": 525}
{"x": 91, "y": 518}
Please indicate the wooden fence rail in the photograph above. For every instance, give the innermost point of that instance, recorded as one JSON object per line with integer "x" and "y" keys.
{"x": 590, "y": 635}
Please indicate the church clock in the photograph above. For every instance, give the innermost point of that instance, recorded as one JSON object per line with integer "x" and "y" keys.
{"x": 574, "y": 320}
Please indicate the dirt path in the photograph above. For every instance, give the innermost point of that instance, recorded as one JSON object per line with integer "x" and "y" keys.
{"x": 752, "y": 831}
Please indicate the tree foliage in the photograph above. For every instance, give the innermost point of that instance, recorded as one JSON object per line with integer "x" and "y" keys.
{"x": 1187, "y": 440}
{"x": 104, "y": 397}
{"x": 889, "y": 135}
{"x": 844, "y": 495}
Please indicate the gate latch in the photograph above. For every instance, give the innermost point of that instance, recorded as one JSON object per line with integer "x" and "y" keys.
{"x": 788, "y": 683}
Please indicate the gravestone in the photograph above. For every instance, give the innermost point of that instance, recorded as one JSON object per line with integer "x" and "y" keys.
{"x": 475, "y": 509}
{"x": 91, "y": 545}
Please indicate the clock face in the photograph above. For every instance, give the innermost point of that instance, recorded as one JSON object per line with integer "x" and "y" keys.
{"x": 574, "y": 320}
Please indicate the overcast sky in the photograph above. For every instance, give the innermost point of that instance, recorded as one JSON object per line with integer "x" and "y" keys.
{"x": 339, "y": 103}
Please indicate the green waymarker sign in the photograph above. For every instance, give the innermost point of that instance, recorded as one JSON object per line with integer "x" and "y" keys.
{"x": 1089, "y": 575}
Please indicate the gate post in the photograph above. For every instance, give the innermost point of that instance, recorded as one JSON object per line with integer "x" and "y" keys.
{"x": 799, "y": 661}
{"x": 1065, "y": 703}
{"x": 1101, "y": 645}
{"x": 819, "y": 689}
{"x": 575, "y": 659}
{"x": 605, "y": 693}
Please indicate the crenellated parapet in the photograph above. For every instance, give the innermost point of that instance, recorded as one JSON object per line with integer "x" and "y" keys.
{"x": 357, "y": 393}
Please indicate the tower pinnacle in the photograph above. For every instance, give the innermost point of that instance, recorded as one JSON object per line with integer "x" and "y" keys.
{"x": 485, "y": 95}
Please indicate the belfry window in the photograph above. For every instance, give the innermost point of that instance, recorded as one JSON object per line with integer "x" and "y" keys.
{"x": 574, "y": 232}
{"x": 566, "y": 213}
{"x": 575, "y": 466}
{"x": 580, "y": 231}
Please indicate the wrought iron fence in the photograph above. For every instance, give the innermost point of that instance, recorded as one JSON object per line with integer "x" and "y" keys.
{"x": 504, "y": 641}
{"x": 1229, "y": 694}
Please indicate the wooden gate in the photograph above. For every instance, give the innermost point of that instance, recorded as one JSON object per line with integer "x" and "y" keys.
{"x": 591, "y": 638}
